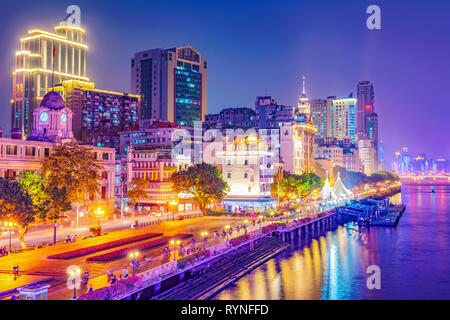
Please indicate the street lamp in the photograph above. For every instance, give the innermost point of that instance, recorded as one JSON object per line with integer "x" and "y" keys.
{"x": 133, "y": 255}
{"x": 226, "y": 230}
{"x": 174, "y": 204}
{"x": 99, "y": 213}
{"x": 75, "y": 273}
{"x": 174, "y": 243}
{"x": 9, "y": 225}
{"x": 204, "y": 235}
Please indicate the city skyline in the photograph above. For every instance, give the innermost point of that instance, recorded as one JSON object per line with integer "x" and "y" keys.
{"x": 359, "y": 60}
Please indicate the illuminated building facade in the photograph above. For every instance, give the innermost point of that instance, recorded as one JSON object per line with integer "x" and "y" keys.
{"x": 368, "y": 156}
{"x": 52, "y": 125}
{"x": 248, "y": 168}
{"x": 319, "y": 116}
{"x": 303, "y": 105}
{"x": 99, "y": 115}
{"x": 270, "y": 115}
{"x": 341, "y": 114}
{"x": 297, "y": 147}
{"x": 366, "y": 104}
{"x": 155, "y": 166}
{"x": 172, "y": 83}
{"x": 38, "y": 52}
{"x": 243, "y": 118}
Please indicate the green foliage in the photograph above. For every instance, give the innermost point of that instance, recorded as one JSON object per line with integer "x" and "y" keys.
{"x": 294, "y": 186}
{"x": 49, "y": 201}
{"x": 203, "y": 181}
{"x": 73, "y": 167}
{"x": 16, "y": 204}
{"x": 137, "y": 191}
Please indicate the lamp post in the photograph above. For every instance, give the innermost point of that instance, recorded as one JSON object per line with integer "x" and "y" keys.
{"x": 133, "y": 255}
{"x": 98, "y": 213}
{"x": 174, "y": 204}
{"x": 75, "y": 273}
{"x": 174, "y": 243}
{"x": 204, "y": 235}
{"x": 9, "y": 225}
{"x": 226, "y": 230}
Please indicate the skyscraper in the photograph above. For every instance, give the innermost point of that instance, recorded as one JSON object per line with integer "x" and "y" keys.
{"x": 319, "y": 116}
{"x": 366, "y": 101}
{"x": 99, "y": 115}
{"x": 172, "y": 83}
{"x": 303, "y": 102}
{"x": 341, "y": 118}
{"x": 38, "y": 54}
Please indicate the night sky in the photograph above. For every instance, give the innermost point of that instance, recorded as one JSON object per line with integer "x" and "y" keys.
{"x": 263, "y": 47}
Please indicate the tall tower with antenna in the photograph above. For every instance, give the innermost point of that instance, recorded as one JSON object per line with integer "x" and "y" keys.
{"x": 303, "y": 102}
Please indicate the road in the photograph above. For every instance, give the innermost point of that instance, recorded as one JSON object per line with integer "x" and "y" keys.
{"x": 35, "y": 262}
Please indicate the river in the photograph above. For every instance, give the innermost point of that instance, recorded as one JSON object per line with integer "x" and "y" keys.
{"x": 414, "y": 258}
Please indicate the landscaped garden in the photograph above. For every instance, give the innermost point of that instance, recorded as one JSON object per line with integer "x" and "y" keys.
{"x": 100, "y": 247}
{"x": 113, "y": 255}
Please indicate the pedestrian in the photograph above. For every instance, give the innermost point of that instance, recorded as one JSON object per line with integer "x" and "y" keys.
{"x": 113, "y": 279}
{"x": 125, "y": 273}
{"x": 13, "y": 297}
{"x": 67, "y": 239}
{"x": 90, "y": 288}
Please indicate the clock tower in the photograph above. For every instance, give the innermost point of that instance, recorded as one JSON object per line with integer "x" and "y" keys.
{"x": 52, "y": 121}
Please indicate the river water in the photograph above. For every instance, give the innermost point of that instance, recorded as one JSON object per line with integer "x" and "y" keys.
{"x": 414, "y": 258}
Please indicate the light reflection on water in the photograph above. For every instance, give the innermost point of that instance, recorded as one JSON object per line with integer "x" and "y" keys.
{"x": 414, "y": 258}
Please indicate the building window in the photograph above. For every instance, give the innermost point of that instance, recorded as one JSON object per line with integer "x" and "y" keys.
{"x": 229, "y": 175}
{"x": 245, "y": 175}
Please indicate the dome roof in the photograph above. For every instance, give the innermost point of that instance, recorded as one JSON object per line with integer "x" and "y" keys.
{"x": 52, "y": 100}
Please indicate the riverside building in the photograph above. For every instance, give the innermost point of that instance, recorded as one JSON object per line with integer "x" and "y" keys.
{"x": 39, "y": 51}
{"x": 173, "y": 84}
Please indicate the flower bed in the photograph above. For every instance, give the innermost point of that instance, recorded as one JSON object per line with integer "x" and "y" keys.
{"x": 237, "y": 241}
{"x": 100, "y": 247}
{"x": 269, "y": 228}
{"x": 143, "y": 246}
{"x": 107, "y": 293}
{"x": 192, "y": 258}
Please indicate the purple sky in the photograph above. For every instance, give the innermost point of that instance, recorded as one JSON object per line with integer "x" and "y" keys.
{"x": 259, "y": 47}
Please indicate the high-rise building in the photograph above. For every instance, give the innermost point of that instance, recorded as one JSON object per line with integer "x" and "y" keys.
{"x": 366, "y": 104}
{"x": 238, "y": 118}
{"x": 319, "y": 116}
{"x": 172, "y": 83}
{"x": 372, "y": 132}
{"x": 271, "y": 115}
{"x": 99, "y": 115}
{"x": 297, "y": 146}
{"x": 367, "y": 155}
{"x": 39, "y": 52}
{"x": 341, "y": 116}
{"x": 303, "y": 102}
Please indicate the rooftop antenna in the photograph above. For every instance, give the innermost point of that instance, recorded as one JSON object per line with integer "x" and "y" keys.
{"x": 53, "y": 67}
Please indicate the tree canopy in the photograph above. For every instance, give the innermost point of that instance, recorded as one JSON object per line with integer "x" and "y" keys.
{"x": 73, "y": 167}
{"x": 137, "y": 191}
{"x": 298, "y": 186}
{"x": 203, "y": 181}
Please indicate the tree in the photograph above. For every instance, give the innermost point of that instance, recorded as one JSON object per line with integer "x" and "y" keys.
{"x": 49, "y": 200}
{"x": 137, "y": 191}
{"x": 299, "y": 186}
{"x": 73, "y": 167}
{"x": 16, "y": 205}
{"x": 203, "y": 181}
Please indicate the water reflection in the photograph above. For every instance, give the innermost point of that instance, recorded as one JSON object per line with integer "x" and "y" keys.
{"x": 413, "y": 258}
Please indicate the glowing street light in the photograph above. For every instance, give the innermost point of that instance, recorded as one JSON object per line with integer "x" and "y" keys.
{"x": 9, "y": 225}
{"x": 175, "y": 244}
{"x": 75, "y": 274}
{"x": 226, "y": 230}
{"x": 99, "y": 213}
{"x": 204, "y": 235}
{"x": 134, "y": 256}
{"x": 174, "y": 204}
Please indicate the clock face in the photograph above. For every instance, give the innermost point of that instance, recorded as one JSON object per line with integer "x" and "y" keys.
{"x": 43, "y": 116}
{"x": 63, "y": 117}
